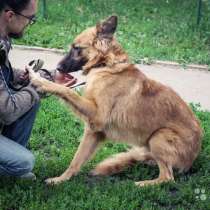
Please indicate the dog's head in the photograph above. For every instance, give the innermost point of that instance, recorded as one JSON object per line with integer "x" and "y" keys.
{"x": 93, "y": 47}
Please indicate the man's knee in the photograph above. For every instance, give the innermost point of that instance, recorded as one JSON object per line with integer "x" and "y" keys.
{"x": 26, "y": 163}
{"x": 20, "y": 165}
{"x": 15, "y": 160}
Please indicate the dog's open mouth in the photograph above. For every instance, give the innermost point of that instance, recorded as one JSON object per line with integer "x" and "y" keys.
{"x": 65, "y": 78}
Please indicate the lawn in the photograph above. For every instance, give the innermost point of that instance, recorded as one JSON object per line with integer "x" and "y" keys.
{"x": 55, "y": 139}
{"x": 163, "y": 30}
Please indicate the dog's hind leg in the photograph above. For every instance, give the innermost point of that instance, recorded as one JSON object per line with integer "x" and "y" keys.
{"x": 86, "y": 149}
{"x": 119, "y": 161}
{"x": 164, "y": 147}
{"x": 165, "y": 175}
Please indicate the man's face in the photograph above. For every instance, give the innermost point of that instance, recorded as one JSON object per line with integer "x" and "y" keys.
{"x": 17, "y": 22}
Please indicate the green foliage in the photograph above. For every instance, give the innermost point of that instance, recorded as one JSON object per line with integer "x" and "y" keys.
{"x": 163, "y": 30}
{"x": 55, "y": 138}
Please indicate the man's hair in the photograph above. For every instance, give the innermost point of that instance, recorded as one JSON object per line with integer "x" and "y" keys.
{"x": 15, "y": 5}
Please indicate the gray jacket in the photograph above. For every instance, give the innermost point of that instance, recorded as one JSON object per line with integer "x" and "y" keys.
{"x": 14, "y": 103}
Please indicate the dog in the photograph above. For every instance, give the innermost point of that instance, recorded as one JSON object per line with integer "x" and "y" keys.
{"x": 122, "y": 104}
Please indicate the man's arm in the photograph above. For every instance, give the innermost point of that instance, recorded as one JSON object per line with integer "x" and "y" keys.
{"x": 14, "y": 105}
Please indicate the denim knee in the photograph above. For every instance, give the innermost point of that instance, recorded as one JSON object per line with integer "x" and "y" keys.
{"x": 22, "y": 165}
{"x": 26, "y": 164}
{"x": 15, "y": 160}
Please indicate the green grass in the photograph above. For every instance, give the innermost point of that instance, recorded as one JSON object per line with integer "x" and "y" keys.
{"x": 164, "y": 29}
{"x": 54, "y": 141}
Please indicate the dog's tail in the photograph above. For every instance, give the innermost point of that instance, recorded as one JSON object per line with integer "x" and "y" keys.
{"x": 119, "y": 161}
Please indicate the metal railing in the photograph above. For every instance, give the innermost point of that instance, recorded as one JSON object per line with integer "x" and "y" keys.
{"x": 201, "y": 4}
{"x": 199, "y": 11}
{"x": 44, "y": 8}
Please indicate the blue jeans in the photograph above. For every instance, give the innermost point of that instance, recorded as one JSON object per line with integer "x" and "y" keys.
{"x": 15, "y": 159}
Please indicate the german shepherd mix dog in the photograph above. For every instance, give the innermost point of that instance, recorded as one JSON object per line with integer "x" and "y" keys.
{"x": 122, "y": 104}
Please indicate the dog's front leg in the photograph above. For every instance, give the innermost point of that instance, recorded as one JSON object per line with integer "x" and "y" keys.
{"x": 82, "y": 106}
{"x": 86, "y": 148}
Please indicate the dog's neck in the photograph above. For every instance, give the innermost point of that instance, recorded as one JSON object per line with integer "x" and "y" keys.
{"x": 102, "y": 65}
{"x": 113, "y": 57}
{"x": 113, "y": 69}
{"x": 115, "y": 60}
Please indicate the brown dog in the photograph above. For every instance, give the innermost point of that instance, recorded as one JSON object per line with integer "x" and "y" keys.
{"x": 122, "y": 104}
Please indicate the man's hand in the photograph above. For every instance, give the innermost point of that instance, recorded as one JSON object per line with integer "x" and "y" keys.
{"x": 56, "y": 76}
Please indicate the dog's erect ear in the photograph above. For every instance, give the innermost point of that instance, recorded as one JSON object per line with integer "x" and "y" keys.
{"x": 107, "y": 28}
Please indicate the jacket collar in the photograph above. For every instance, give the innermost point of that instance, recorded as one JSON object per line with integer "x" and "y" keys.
{"x": 7, "y": 46}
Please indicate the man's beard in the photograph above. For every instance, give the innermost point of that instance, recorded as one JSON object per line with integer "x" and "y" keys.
{"x": 15, "y": 35}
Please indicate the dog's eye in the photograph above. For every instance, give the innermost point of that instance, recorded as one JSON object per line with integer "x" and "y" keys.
{"x": 76, "y": 47}
{"x": 76, "y": 50}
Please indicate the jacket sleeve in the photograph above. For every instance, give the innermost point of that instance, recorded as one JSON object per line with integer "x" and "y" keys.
{"x": 14, "y": 105}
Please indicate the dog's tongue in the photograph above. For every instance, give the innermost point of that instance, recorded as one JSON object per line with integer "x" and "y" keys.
{"x": 63, "y": 77}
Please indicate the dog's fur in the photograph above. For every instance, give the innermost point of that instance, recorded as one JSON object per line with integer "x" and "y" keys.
{"x": 120, "y": 103}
